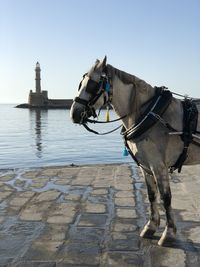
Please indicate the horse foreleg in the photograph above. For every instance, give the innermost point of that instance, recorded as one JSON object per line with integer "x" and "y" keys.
{"x": 154, "y": 220}
{"x": 162, "y": 178}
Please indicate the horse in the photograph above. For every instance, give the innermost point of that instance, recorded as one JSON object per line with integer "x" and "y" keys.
{"x": 153, "y": 135}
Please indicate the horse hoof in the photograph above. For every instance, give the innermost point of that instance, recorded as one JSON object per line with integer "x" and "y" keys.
{"x": 168, "y": 236}
{"x": 147, "y": 232}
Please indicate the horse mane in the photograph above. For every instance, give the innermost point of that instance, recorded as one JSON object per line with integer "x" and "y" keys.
{"x": 127, "y": 78}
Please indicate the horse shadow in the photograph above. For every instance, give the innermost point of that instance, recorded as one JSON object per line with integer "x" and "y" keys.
{"x": 182, "y": 241}
{"x": 185, "y": 245}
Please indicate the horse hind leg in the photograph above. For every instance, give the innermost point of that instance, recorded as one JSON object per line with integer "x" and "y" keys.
{"x": 169, "y": 233}
{"x": 154, "y": 220}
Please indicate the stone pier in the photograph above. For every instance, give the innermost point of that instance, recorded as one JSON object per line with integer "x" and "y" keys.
{"x": 92, "y": 216}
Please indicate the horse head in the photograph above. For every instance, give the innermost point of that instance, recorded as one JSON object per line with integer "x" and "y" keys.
{"x": 92, "y": 93}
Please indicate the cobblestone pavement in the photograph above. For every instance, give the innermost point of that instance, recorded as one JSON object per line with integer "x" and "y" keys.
{"x": 92, "y": 216}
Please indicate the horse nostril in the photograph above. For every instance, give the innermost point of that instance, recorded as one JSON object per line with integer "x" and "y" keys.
{"x": 76, "y": 115}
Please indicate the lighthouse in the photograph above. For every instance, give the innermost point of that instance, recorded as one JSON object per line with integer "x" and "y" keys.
{"x": 39, "y": 98}
{"x": 37, "y": 78}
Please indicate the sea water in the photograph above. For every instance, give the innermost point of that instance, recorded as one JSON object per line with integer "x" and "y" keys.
{"x": 35, "y": 138}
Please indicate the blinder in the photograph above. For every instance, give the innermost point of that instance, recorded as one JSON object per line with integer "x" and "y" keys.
{"x": 93, "y": 87}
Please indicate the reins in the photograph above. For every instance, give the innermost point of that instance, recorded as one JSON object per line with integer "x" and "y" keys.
{"x": 183, "y": 96}
{"x": 101, "y": 122}
{"x": 124, "y": 132}
{"x": 95, "y": 132}
{"x": 95, "y": 121}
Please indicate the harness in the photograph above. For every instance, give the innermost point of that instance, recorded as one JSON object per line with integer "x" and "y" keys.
{"x": 153, "y": 114}
{"x": 157, "y": 105}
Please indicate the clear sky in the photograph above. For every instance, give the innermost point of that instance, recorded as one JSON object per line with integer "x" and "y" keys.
{"x": 156, "y": 40}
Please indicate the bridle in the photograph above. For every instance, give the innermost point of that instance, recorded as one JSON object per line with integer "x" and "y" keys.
{"x": 96, "y": 90}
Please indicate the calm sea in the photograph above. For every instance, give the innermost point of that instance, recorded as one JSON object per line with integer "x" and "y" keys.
{"x": 35, "y": 138}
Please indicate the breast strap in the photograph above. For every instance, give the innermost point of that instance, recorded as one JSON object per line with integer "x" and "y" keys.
{"x": 155, "y": 110}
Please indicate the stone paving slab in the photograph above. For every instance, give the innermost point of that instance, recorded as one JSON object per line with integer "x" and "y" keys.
{"x": 92, "y": 216}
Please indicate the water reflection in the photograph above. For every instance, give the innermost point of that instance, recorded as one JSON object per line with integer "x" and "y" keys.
{"x": 35, "y": 138}
{"x": 38, "y": 119}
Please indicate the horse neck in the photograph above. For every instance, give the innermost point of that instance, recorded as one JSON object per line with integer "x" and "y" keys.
{"x": 129, "y": 95}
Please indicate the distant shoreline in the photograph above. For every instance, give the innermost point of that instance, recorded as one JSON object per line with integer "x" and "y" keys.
{"x": 48, "y": 106}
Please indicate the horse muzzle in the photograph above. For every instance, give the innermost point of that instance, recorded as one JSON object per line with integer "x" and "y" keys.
{"x": 79, "y": 114}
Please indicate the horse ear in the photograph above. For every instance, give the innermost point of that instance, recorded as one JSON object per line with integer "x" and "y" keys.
{"x": 104, "y": 61}
{"x": 97, "y": 61}
{"x": 102, "y": 64}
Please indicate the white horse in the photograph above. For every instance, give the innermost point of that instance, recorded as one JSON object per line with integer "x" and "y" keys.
{"x": 157, "y": 148}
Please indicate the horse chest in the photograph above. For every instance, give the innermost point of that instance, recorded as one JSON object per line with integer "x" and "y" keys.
{"x": 143, "y": 150}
